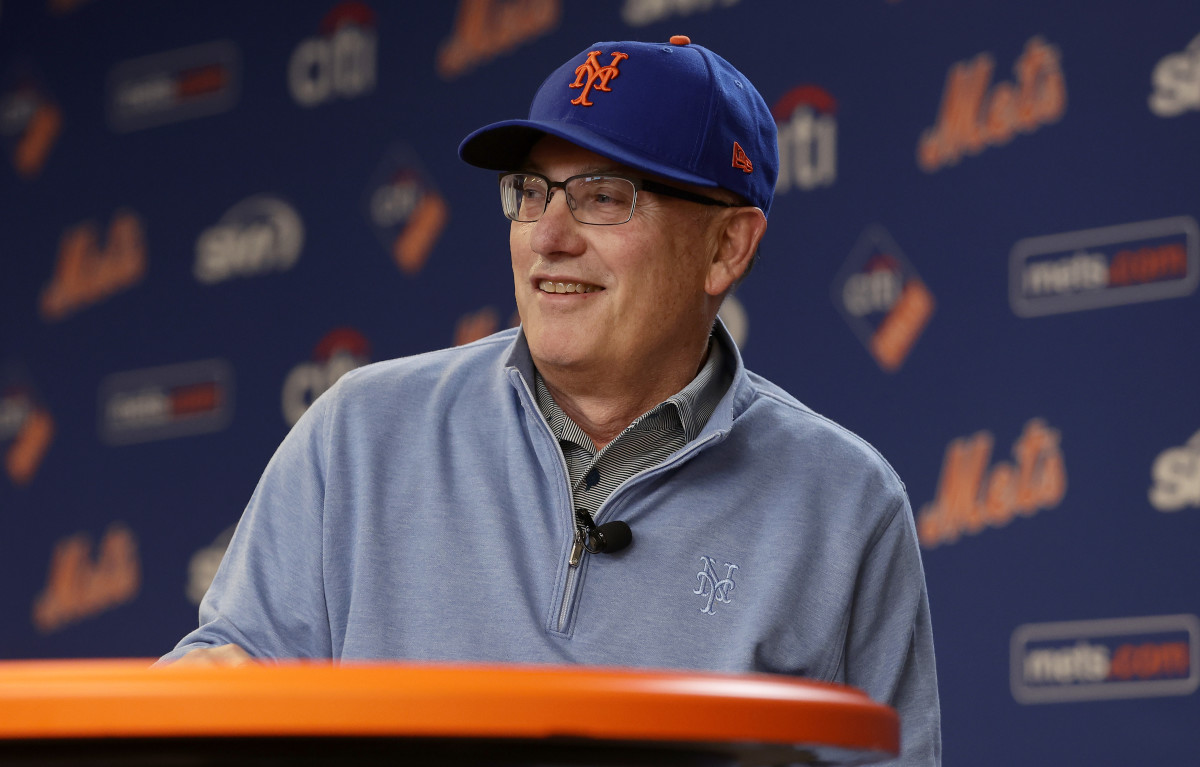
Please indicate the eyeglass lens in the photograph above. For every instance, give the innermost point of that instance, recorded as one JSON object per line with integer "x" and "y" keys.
{"x": 592, "y": 199}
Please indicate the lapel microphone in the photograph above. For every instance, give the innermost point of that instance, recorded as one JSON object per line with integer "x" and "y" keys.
{"x": 608, "y": 538}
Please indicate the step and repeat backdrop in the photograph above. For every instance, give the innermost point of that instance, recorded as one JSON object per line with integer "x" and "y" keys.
{"x": 983, "y": 258}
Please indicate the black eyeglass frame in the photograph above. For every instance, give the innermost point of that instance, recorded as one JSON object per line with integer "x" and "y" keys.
{"x": 639, "y": 184}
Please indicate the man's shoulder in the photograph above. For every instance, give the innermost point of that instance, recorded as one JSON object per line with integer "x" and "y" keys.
{"x": 468, "y": 360}
{"x": 779, "y": 419}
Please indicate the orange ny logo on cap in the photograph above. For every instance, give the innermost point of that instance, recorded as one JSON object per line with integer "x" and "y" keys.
{"x": 587, "y": 73}
{"x": 740, "y": 160}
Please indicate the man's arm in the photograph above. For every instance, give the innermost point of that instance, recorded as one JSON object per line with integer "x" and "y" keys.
{"x": 268, "y": 597}
{"x": 889, "y": 651}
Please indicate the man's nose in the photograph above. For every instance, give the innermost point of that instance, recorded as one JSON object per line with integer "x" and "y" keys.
{"x": 557, "y": 232}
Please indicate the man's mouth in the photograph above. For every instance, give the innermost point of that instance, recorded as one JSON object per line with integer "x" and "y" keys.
{"x": 549, "y": 286}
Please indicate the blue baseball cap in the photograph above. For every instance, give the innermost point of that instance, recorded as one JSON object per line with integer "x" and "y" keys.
{"x": 675, "y": 109}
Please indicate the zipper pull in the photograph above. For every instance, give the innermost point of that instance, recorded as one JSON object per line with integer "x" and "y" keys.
{"x": 576, "y": 549}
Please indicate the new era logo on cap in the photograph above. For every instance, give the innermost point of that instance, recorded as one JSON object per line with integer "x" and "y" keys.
{"x": 740, "y": 160}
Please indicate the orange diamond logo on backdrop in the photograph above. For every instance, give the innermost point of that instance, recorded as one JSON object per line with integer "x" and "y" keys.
{"x": 740, "y": 160}
{"x": 590, "y": 75}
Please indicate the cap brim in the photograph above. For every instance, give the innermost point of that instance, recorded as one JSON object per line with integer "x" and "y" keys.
{"x": 506, "y": 145}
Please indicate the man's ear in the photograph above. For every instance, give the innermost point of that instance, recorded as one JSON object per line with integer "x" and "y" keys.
{"x": 742, "y": 230}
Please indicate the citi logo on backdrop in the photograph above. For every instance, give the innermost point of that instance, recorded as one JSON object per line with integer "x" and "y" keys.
{"x": 1109, "y": 266}
{"x": 807, "y": 120}
{"x": 32, "y": 122}
{"x": 28, "y": 429}
{"x": 975, "y": 114}
{"x": 1141, "y": 657}
{"x": 177, "y": 85}
{"x": 405, "y": 209}
{"x": 166, "y": 402}
{"x": 337, "y": 353}
{"x": 260, "y": 234}
{"x": 883, "y": 298}
{"x": 340, "y": 62}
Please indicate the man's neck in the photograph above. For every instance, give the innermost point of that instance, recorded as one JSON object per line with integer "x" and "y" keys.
{"x": 604, "y": 404}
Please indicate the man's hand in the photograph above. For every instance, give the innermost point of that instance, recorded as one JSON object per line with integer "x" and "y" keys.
{"x": 224, "y": 655}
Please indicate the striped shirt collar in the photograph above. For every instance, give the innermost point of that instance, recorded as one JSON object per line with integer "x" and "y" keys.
{"x": 684, "y": 413}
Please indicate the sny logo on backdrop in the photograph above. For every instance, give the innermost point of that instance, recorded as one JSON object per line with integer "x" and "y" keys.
{"x": 1110, "y": 266}
{"x": 86, "y": 273}
{"x": 1105, "y": 659}
{"x": 639, "y": 13}
{"x": 1176, "y": 81}
{"x": 177, "y": 85}
{"x": 258, "y": 235}
{"x": 31, "y": 121}
{"x": 405, "y": 209}
{"x": 28, "y": 428}
{"x": 339, "y": 352}
{"x": 341, "y": 62}
{"x": 972, "y": 118}
{"x": 883, "y": 298}
{"x": 484, "y": 29}
{"x": 78, "y": 587}
{"x": 166, "y": 402}
{"x": 806, "y": 116}
{"x": 970, "y": 497}
{"x": 1176, "y": 474}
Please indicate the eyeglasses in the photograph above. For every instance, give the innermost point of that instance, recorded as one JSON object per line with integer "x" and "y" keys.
{"x": 593, "y": 199}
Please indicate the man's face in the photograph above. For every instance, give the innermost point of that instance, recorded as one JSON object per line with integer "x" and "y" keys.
{"x": 645, "y": 309}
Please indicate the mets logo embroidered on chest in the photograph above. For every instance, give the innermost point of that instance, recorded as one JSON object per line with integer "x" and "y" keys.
{"x": 590, "y": 75}
{"x": 712, "y": 588}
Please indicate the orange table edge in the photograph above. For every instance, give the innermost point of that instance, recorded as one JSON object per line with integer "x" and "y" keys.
{"x": 127, "y": 698}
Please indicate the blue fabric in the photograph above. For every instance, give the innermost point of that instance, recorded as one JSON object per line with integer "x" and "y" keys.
{"x": 669, "y": 109}
{"x": 420, "y": 510}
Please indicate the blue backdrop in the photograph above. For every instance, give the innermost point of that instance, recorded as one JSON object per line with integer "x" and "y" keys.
{"x": 983, "y": 257}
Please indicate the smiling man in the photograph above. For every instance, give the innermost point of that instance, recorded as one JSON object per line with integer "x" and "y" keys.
{"x": 606, "y": 484}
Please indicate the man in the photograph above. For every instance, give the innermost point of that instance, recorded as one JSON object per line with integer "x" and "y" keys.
{"x": 608, "y": 484}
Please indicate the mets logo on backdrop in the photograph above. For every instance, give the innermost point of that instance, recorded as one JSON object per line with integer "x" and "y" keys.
{"x": 260, "y": 234}
{"x": 340, "y": 62}
{"x": 975, "y": 114}
{"x": 30, "y": 122}
{"x": 177, "y": 85}
{"x": 26, "y": 426}
{"x": 1146, "y": 657}
{"x": 1110, "y": 266}
{"x": 337, "y": 353}
{"x": 405, "y": 209}
{"x": 972, "y": 497}
{"x": 79, "y": 585}
{"x": 166, "y": 402}
{"x": 485, "y": 29}
{"x": 87, "y": 272}
{"x": 807, "y": 120}
{"x": 883, "y": 298}
{"x": 590, "y": 74}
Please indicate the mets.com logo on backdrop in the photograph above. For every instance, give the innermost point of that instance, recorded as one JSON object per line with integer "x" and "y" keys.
{"x": 176, "y": 85}
{"x": 1145, "y": 657}
{"x": 1110, "y": 266}
{"x": 883, "y": 298}
{"x": 166, "y": 402}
